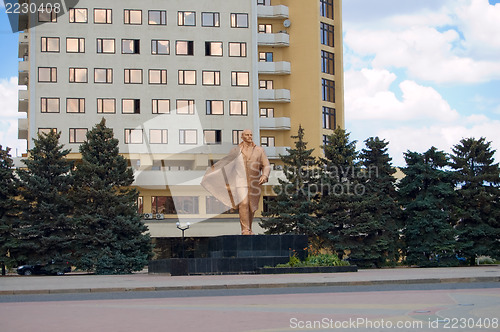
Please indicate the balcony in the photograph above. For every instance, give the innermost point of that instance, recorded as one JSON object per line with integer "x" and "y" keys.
{"x": 23, "y": 96}
{"x": 275, "y": 68}
{"x": 280, "y": 39}
{"x": 274, "y": 96}
{"x": 279, "y": 11}
{"x": 22, "y": 125}
{"x": 274, "y": 123}
{"x": 274, "y": 152}
{"x": 23, "y": 72}
{"x": 24, "y": 38}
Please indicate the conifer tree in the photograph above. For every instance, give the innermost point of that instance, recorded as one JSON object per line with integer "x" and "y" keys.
{"x": 478, "y": 202}
{"x": 427, "y": 193}
{"x": 372, "y": 234}
{"x": 44, "y": 231}
{"x": 111, "y": 237}
{"x": 339, "y": 190}
{"x": 8, "y": 207}
{"x": 292, "y": 209}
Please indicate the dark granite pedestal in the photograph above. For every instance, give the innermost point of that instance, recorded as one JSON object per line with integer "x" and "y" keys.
{"x": 234, "y": 254}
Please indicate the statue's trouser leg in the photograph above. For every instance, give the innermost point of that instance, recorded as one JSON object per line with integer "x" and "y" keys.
{"x": 246, "y": 216}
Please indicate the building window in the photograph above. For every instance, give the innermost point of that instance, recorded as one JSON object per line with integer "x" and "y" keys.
{"x": 187, "y": 77}
{"x": 212, "y": 137}
{"x": 78, "y": 75}
{"x": 188, "y": 136}
{"x": 238, "y": 107}
{"x": 131, "y": 106}
{"x": 75, "y": 45}
{"x": 328, "y": 90}
{"x": 103, "y": 75}
{"x": 185, "y": 106}
{"x": 161, "y": 106}
{"x": 105, "y": 45}
{"x": 266, "y": 200}
{"x": 140, "y": 205}
{"x": 184, "y": 47}
{"x": 239, "y": 78}
{"x": 158, "y": 136}
{"x": 237, "y": 49}
{"x": 46, "y": 131}
{"x": 75, "y": 105}
{"x": 264, "y": 2}
{"x": 214, "y": 206}
{"x": 50, "y": 44}
{"x": 133, "y": 76}
{"x": 267, "y": 141}
{"x": 47, "y": 15}
{"x": 131, "y": 46}
{"x": 160, "y": 47}
{"x": 266, "y": 56}
{"x": 211, "y": 77}
{"x": 102, "y": 16}
{"x": 267, "y": 113}
{"x": 210, "y": 19}
{"x": 265, "y": 28}
{"x": 186, "y": 18}
{"x": 47, "y": 74}
{"x": 237, "y": 137}
{"x": 157, "y": 76}
{"x": 327, "y": 63}
{"x": 215, "y": 107}
{"x": 327, "y": 34}
{"x": 78, "y": 15}
{"x": 266, "y": 84}
{"x": 49, "y": 105}
{"x": 157, "y": 17}
{"x": 77, "y": 135}
{"x": 132, "y": 16}
{"x": 174, "y": 205}
{"x": 213, "y": 48}
{"x": 239, "y": 20}
{"x": 329, "y": 118}
{"x": 327, "y": 8}
{"x": 106, "y": 105}
{"x": 133, "y": 136}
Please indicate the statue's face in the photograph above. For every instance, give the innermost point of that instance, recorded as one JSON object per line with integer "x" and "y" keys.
{"x": 247, "y": 136}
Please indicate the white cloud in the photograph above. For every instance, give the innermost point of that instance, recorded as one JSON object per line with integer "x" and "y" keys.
{"x": 418, "y": 43}
{"x": 9, "y": 115}
{"x": 368, "y": 96}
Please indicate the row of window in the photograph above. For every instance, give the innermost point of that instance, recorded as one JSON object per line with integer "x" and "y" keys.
{"x": 133, "y": 46}
{"x": 154, "y": 17}
{"x": 135, "y": 76}
{"x": 158, "y": 106}
{"x": 160, "y": 136}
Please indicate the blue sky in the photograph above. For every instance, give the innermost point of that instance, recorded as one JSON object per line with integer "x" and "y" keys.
{"x": 417, "y": 73}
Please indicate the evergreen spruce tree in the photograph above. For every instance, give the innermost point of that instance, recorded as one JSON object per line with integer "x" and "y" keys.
{"x": 111, "y": 237}
{"x": 8, "y": 207}
{"x": 292, "y": 209}
{"x": 478, "y": 203}
{"x": 427, "y": 193}
{"x": 44, "y": 231}
{"x": 372, "y": 236}
{"x": 340, "y": 190}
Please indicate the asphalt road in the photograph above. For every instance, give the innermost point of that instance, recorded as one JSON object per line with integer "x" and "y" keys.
{"x": 418, "y": 307}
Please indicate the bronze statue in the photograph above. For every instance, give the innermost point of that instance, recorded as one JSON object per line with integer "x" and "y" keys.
{"x": 236, "y": 179}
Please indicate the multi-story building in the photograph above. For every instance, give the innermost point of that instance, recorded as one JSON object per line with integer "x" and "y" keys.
{"x": 178, "y": 81}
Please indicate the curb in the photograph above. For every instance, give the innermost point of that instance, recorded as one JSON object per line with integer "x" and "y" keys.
{"x": 250, "y": 286}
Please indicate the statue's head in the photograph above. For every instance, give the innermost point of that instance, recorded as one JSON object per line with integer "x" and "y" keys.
{"x": 247, "y": 136}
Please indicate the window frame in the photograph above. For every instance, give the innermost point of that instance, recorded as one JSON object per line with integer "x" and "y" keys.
{"x": 209, "y": 106}
{"x": 207, "y": 74}
{"x": 136, "y": 46}
{"x": 128, "y": 135}
{"x": 242, "y": 49}
{"x": 52, "y": 74}
{"x": 73, "y": 134}
{"x": 137, "y": 105}
{"x": 101, "y": 105}
{"x": 208, "y": 48}
{"x": 215, "y": 19}
{"x": 73, "y": 71}
{"x": 189, "y": 47}
{"x": 181, "y": 77}
{"x": 44, "y": 104}
{"x": 45, "y": 44}
{"x": 235, "y": 78}
{"x": 81, "y": 105}
{"x": 127, "y": 75}
{"x": 328, "y": 90}
{"x": 108, "y": 14}
{"x": 329, "y": 113}
{"x": 155, "y": 106}
{"x": 72, "y": 17}
{"x": 236, "y": 134}
{"x": 163, "y": 136}
{"x": 127, "y": 17}
{"x": 327, "y": 9}
{"x": 182, "y": 136}
{"x": 163, "y": 16}
{"x": 218, "y": 136}
{"x": 190, "y": 106}
{"x": 181, "y": 18}
{"x": 327, "y": 32}
{"x": 155, "y": 43}
{"x": 327, "y": 62}
{"x": 243, "y": 107}
{"x": 162, "y": 76}
{"x": 264, "y": 112}
{"x": 52, "y": 13}
{"x": 101, "y": 46}
{"x": 81, "y": 44}
{"x": 109, "y": 76}
{"x": 235, "y": 18}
